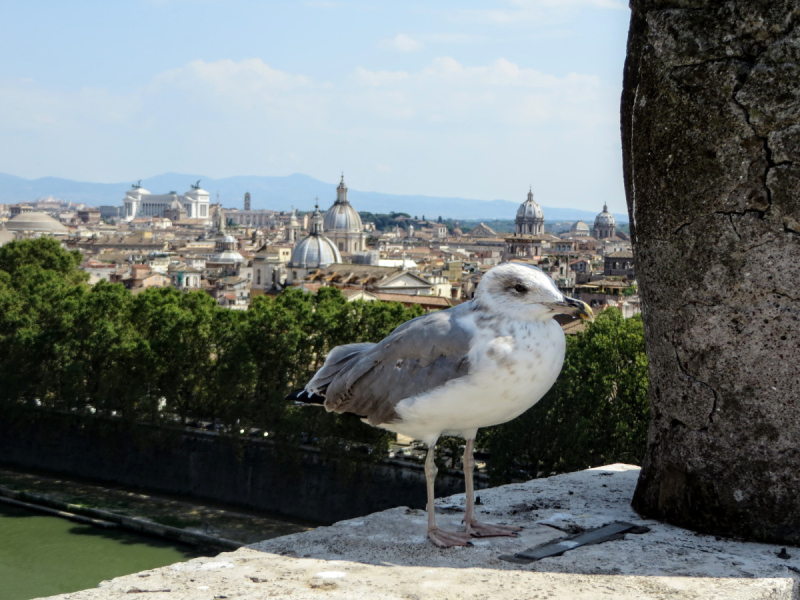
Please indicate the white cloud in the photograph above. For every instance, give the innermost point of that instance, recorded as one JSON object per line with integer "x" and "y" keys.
{"x": 26, "y": 105}
{"x": 500, "y": 92}
{"x": 225, "y": 86}
{"x": 377, "y": 78}
{"x": 244, "y": 78}
{"x": 402, "y": 43}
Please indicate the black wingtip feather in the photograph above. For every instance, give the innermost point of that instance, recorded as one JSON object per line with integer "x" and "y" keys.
{"x": 305, "y": 397}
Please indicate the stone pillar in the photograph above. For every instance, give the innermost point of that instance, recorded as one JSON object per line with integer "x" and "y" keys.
{"x": 711, "y": 144}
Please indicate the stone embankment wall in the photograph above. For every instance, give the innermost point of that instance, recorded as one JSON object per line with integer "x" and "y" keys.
{"x": 299, "y": 483}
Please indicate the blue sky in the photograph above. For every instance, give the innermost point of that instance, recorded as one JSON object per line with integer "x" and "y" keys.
{"x": 471, "y": 99}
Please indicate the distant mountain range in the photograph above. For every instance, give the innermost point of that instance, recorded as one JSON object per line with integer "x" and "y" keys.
{"x": 278, "y": 193}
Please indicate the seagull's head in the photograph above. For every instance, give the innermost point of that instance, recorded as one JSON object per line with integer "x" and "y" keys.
{"x": 526, "y": 293}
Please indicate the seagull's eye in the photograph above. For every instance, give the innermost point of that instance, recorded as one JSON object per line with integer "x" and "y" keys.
{"x": 520, "y": 288}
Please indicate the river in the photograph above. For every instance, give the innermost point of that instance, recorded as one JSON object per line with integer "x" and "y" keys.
{"x": 42, "y": 555}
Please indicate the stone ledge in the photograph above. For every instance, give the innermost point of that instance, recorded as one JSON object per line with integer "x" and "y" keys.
{"x": 386, "y": 555}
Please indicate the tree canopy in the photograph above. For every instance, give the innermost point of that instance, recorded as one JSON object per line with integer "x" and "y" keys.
{"x": 167, "y": 358}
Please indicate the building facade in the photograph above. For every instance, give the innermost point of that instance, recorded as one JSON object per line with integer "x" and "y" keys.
{"x": 139, "y": 202}
{"x": 251, "y": 218}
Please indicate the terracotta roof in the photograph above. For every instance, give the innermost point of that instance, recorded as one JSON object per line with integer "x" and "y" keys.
{"x": 438, "y": 301}
{"x": 605, "y": 283}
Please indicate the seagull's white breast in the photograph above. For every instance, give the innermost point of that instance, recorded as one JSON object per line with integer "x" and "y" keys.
{"x": 512, "y": 365}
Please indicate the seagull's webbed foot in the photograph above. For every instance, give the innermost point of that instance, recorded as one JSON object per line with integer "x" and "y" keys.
{"x": 448, "y": 539}
{"x": 478, "y": 529}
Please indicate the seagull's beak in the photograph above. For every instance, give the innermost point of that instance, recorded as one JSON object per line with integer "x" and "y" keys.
{"x": 572, "y": 307}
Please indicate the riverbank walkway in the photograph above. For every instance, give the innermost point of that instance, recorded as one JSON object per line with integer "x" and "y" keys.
{"x": 103, "y": 503}
{"x": 386, "y": 556}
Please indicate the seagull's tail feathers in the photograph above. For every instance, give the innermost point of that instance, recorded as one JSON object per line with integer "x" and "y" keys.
{"x": 338, "y": 361}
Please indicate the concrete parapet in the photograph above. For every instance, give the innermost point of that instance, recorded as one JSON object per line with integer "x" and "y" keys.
{"x": 386, "y": 556}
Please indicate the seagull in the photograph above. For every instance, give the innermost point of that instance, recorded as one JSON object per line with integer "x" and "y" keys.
{"x": 451, "y": 372}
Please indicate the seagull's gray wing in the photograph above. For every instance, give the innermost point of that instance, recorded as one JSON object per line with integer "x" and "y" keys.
{"x": 420, "y": 355}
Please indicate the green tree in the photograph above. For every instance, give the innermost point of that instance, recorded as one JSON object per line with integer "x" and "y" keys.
{"x": 43, "y": 253}
{"x": 178, "y": 329}
{"x": 40, "y": 289}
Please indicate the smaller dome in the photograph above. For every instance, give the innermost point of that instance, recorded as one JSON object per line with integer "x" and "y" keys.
{"x": 229, "y": 239}
{"x": 605, "y": 218}
{"x": 530, "y": 209}
{"x": 226, "y": 257}
{"x": 315, "y": 251}
{"x": 342, "y": 217}
{"x": 37, "y": 222}
{"x": 579, "y": 227}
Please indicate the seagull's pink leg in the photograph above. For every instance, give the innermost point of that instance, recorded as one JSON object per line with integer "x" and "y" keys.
{"x": 442, "y": 539}
{"x": 474, "y": 527}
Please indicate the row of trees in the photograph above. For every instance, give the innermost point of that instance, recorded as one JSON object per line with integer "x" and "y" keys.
{"x": 163, "y": 357}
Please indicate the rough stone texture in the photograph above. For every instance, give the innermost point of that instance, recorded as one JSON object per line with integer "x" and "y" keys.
{"x": 711, "y": 141}
{"x": 386, "y": 555}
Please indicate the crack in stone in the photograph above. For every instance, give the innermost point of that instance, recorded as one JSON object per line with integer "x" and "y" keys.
{"x": 679, "y": 229}
{"x": 735, "y": 230}
{"x": 764, "y": 141}
{"x": 696, "y": 380}
{"x": 782, "y": 295}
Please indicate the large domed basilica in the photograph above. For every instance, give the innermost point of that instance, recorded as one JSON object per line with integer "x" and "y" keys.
{"x": 343, "y": 225}
{"x": 605, "y": 226}
{"x": 527, "y": 241}
{"x": 530, "y": 218}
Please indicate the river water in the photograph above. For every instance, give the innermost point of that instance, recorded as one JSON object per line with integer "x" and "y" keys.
{"x": 42, "y": 555}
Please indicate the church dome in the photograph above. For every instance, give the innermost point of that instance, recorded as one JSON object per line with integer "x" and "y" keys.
{"x": 342, "y": 216}
{"x": 315, "y": 251}
{"x": 579, "y": 227}
{"x": 37, "y": 222}
{"x": 530, "y": 209}
{"x": 605, "y": 218}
